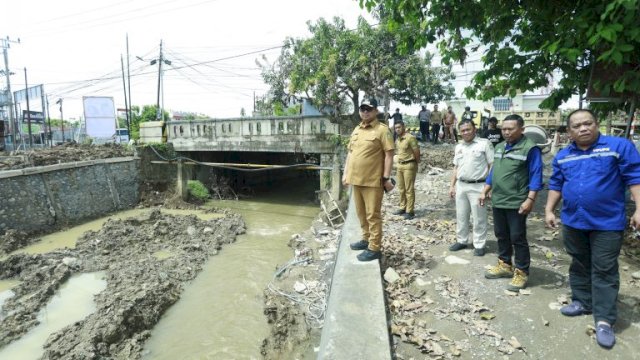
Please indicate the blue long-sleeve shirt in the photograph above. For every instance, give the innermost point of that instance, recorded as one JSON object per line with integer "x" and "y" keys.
{"x": 592, "y": 183}
{"x": 534, "y": 162}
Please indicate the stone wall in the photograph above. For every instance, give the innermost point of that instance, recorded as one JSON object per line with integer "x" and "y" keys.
{"x": 38, "y": 198}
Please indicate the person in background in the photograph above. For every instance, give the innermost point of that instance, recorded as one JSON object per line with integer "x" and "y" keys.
{"x": 368, "y": 169}
{"x": 408, "y": 156}
{"x": 449, "y": 117}
{"x": 493, "y": 134}
{"x": 514, "y": 180}
{"x": 394, "y": 118}
{"x": 590, "y": 176}
{"x": 472, "y": 161}
{"x": 424, "y": 116}
{"x": 436, "y": 115}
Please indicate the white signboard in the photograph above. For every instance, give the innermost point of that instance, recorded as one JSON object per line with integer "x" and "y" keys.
{"x": 99, "y": 116}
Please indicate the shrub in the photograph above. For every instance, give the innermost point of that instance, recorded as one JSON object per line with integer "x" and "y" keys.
{"x": 198, "y": 190}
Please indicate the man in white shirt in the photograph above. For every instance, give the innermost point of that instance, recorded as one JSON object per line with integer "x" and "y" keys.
{"x": 472, "y": 162}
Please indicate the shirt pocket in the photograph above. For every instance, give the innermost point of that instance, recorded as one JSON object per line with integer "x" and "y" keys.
{"x": 569, "y": 169}
{"x": 603, "y": 165}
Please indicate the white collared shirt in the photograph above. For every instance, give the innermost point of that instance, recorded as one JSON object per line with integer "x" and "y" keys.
{"x": 473, "y": 159}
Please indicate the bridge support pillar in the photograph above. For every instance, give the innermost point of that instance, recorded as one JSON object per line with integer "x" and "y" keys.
{"x": 184, "y": 174}
{"x": 331, "y": 179}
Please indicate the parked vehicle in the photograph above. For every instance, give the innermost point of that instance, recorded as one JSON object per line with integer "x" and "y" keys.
{"x": 122, "y": 136}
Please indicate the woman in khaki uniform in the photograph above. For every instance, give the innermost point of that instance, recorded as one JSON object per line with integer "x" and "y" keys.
{"x": 368, "y": 170}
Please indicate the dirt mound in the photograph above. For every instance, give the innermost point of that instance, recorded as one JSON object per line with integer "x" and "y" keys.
{"x": 147, "y": 261}
{"x": 439, "y": 156}
{"x": 69, "y": 152}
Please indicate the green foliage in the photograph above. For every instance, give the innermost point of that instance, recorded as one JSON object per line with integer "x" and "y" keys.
{"x": 198, "y": 190}
{"x": 523, "y": 42}
{"x": 164, "y": 149}
{"x": 336, "y": 64}
{"x": 339, "y": 140}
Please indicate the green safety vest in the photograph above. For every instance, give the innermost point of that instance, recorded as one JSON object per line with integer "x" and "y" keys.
{"x": 510, "y": 178}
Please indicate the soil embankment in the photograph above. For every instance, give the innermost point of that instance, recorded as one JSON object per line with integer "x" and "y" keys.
{"x": 69, "y": 152}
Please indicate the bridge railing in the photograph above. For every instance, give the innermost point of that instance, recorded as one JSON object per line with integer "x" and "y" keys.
{"x": 254, "y": 126}
{"x": 297, "y": 133}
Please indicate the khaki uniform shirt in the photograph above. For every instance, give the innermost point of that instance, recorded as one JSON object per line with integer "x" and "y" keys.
{"x": 405, "y": 146}
{"x": 436, "y": 117}
{"x": 449, "y": 118}
{"x": 473, "y": 159}
{"x": 367, "y": 148}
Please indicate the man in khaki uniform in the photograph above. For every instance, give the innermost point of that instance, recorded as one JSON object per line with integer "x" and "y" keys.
{"x": 408, "y": 157}
{"x": 472, "y": 162}
{"x": 368, "y": 169}
{"x": 436, "y": 117}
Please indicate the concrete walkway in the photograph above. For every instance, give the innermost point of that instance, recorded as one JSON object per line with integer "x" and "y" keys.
{"x": 355, "y": 325}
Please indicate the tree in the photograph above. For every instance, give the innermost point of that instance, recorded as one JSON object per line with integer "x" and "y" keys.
{"x": 336, "y": 64}
{"x": 526, "y": 41}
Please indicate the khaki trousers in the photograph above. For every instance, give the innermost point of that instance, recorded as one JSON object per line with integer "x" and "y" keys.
{"x": 368, "y": 205}
{"x": 467, "y": 204}
{"x": 406, "y": 175}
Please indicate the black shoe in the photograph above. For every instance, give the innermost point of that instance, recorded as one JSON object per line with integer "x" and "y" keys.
{"x": 369, "y": 255}
{"x": 409, "y": 216}
{"x": 478, "y": 252}
{"x": 398, "y": 212}
{"x": 457, "y": 246}
{"x": 360, "y": 245}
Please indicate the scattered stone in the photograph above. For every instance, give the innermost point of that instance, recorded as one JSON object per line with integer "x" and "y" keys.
{"x": 636, "y": 275}
{"x": 391, "y": 276}
{"x": 525, "y": 292}
{"x": 451, "y": 259}
{"x": 299, "y": 287}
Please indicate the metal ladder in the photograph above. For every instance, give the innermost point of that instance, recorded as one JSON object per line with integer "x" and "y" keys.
{"x": 332, "y": 211}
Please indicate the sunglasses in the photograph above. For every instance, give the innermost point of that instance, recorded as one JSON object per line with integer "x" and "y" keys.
{"x": 366, "y": 109}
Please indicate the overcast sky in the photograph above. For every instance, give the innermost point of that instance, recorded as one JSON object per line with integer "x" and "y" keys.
{"x": 73, "y": 47}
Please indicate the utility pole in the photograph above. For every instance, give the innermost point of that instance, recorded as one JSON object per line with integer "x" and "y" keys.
{"x": 49, "y": 123}
{"x": 124, "y": 86}
{"x": 159, "y": 112}
{"x": 26, "y": 91}
{"x": 61, "y": 118}
{"x": 12, "y": 123}
{"x": 129, "y": 90}
{"x": 161, "y": 60}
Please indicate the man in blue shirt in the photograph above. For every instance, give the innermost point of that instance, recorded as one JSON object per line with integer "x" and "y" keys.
{"x": 590, "y": 176}
{"x": 514, "y": 182}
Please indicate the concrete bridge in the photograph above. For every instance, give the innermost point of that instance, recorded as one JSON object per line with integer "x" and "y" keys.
{"x": 256, "y": 141}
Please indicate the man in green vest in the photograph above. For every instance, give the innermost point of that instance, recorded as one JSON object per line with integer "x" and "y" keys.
{"x": 514, "y": 182}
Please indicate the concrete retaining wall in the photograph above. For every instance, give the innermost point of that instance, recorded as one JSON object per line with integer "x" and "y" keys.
{"x": 34, "y": 199}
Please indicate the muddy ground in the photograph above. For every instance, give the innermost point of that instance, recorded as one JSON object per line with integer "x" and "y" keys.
{"x": 441, "y": 306}
{"x": 68, "y": 152}
{"x": 140, "y": 284}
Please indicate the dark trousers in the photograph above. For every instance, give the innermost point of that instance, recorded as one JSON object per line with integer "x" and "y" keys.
{"x": 593, "y": 274}
{"x": 435, "y": 129}
{"x": 511, "y": 231}
{"x": 424, "y": 130}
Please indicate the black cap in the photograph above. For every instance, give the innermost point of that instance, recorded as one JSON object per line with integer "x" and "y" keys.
{"x": 369, "y": 102}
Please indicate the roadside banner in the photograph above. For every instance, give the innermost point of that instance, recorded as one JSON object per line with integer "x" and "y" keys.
{"x": 99, "y": 116}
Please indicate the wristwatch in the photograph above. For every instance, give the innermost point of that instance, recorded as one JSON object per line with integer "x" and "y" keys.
{"x": 385, "y": 179}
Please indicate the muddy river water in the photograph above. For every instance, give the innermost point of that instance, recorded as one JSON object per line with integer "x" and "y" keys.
{"x": 220, "y": 313}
